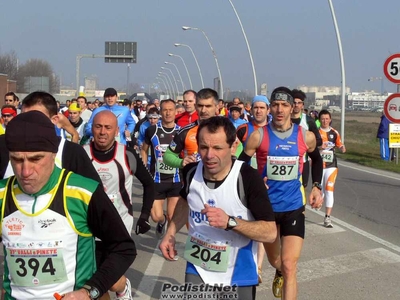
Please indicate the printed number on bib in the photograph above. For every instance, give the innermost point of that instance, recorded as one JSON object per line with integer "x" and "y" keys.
{"x": 327, "y": 156}
{"x": 209, "y": 255}
{"x": 282, "y": 168}
{"x": 164, "y": 168}
{"x": 35, "y": 267}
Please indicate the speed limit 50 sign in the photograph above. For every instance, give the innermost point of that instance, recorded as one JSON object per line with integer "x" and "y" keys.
{"x": 391, "y": 68}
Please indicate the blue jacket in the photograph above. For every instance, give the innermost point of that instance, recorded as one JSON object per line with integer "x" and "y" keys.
{"x": 383, "y": 129}
{"x": 125, "y": 120}
{"x": 237, "y": 122}
{"x": 142, "y": 132}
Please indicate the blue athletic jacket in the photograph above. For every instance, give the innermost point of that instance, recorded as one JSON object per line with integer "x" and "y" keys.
{"x": 124, "y": 117}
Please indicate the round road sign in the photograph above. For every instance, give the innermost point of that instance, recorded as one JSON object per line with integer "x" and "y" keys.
{"x": 391, "y": 68}
{"x": 391, "y": 108}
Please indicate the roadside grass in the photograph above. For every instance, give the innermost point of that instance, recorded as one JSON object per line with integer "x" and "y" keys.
{"x": 362, "y": 146}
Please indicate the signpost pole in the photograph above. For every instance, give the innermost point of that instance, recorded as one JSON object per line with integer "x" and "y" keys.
{"x": 391, "y": 108}
{"x": 397, "y": 149}
{"x": 127, "y": 79}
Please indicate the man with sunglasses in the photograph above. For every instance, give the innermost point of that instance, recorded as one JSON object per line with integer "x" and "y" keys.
{"x": 286, "y": 143}
{"x": 12, "y": 99}
{"x": 300, "y": 118}
{"x": 8, "y": 112}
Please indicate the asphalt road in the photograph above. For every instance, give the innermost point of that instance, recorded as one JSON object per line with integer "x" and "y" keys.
{"x": 359, "y": 258}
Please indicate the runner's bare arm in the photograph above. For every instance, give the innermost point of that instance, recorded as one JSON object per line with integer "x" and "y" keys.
{"x": 315, "y": 197}
{"x": 143, "y": 152}
{"x": 252, "y": 144}
{"x": 260, "y": 231}
{"x": 179, "y": 219}
{"x": 310, "y": 141}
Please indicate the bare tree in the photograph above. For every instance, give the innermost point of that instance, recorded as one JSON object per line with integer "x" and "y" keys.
{"x": 37, "y": 68}
{"x": 9, "y": 64}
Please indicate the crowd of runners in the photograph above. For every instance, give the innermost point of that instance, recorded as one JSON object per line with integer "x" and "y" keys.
{"x": 234, "y": 173}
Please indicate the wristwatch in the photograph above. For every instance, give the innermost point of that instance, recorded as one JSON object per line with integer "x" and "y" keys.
{"x": 93, "y": 292}
{"x": 231, "y": 223}
{"x": 317, "y": 185}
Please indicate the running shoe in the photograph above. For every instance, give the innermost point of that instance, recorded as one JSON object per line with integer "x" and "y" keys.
{"x": 327, "y": 222}
{"x": 277, "y": 285}
{"x": 160, "y": 228}
{"x": 127, "y": 295}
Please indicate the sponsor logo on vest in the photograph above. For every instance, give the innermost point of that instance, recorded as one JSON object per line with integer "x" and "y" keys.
{"x": 14, "y": 226}
{"x": 197, "y": 216}
{"x": 164, "y": 147}
{"x": 283, "y": 147}
{"x": 211, "y": 202}
{"x": 101, "y": 169}
{"x": 33, "y": 252}
{"x": 105, "y": 176}
{"x": 46, "y": 223}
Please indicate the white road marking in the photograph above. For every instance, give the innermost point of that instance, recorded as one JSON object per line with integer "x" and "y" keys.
{"x": 308, "y": 270}
{"x": 340, "y": 264}
{"x": 359, "y": 231}
{"x": 375, "y": 172}
{"x": 150, "y": 279}
{"x": 319, "y": 229}
{"x": 345, "y": 263}
{"x": 146, "y": 286}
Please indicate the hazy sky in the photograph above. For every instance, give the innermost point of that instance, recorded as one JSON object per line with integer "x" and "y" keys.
{"x": 293, "y": 42}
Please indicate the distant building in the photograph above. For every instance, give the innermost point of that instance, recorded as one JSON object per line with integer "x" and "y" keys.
{"x": 320, "y": 96}
{"x": 91, "y": 83}
{"x": 367, "y": 99}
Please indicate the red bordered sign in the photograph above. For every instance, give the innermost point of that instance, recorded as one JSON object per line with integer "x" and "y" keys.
{"x": 391, "y": 108}
{"x": 391, "y": 68}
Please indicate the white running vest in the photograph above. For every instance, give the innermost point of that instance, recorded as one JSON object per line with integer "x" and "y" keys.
{"x": 227, "y": 198}
{"x": 111, "y": 174}
{"x": 41, "y": 258}
{"x": 80, "y": 130}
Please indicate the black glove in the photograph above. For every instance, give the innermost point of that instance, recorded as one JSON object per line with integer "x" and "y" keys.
{"x": 142, "y": 225}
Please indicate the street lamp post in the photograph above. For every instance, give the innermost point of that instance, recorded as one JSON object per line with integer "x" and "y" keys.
{"x": 187, "y": 72}
{"x": 169, "y": 82}
{"x": 173, "y": 77}
{"x": 248, "y": 48}
{"x": 166, "y": 87}
{"x": 339, "y": 42}
{"x": 195, "y": 59}
{"x": 174, "y": 92}
{"x": 214, "y": 54}
{"x": 179, "y": 73}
